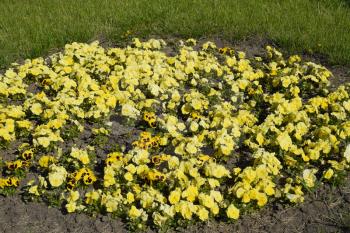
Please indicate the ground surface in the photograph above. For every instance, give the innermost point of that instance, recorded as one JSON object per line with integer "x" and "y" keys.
{"x": 326, "y": 210}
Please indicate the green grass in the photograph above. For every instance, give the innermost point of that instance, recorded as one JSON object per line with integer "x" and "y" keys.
{"x": 31, "y": 28}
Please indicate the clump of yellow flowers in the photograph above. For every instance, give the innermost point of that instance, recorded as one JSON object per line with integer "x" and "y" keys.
{"x": 218, "y": 133}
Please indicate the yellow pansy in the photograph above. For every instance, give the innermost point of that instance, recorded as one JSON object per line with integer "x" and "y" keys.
{"x": 57, "y": 175}
{"x": 71, "y": 207}
{"x": 232, "y": 212}
{"x": 134, "y": 212}
{"x": 190, "y": 193}
{"x": 284, "y": 141}
{"x": 309, "y": 177}
{"x": 34, "y": 190}
{"x": 81, "y": 155}
{"x": 174, "y": 196}
{"x": 36, "y": 108}
{"x": 328, "y": 174}
{"x": 203, "y": 214}
{"x": 45, "y": 161}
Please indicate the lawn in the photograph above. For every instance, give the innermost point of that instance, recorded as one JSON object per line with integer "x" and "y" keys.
{"x": 34, "y": 28}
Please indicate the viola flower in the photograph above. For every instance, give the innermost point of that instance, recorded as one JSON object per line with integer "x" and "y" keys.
{"x": 81, "y": 155}
{"x": 232, "y": 212}
{"x": 14, "y": 165}
{"x": 174, "y": 196}
{"x": 36, "y": 109}
{"x": 309, "y": 177}
{"x": 347, "y": 153}
{"x": 57, "y": 175}
{"x": 134, "y": 212}
{"x": 28, "y": 154}
{"x": 46, "y": 160}
{"x": 71, "y": 207}
{"x": 92, "y": 196}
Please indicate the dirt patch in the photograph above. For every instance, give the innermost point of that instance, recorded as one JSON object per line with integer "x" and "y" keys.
{"x": 16, "y": 216}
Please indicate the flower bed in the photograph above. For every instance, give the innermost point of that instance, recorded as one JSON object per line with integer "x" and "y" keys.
{"x": 209, "y": 132}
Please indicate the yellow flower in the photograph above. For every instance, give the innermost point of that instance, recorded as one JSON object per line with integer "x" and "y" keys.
{"x": 208, "y": 44}
{"x": 71, "y": 207}
{"x": 206, "y": 200}
{"x": 45, "y": 161}
{"x": 128, "y": 176}
{"x": 2, "y": 183}
{"x": 174, "y": 196}
{"x": 140, "y": 156}
{"x": 346, "y": 105}
{"x": 196, "y": 104}
{"x": 134, "y": 212}
{"x": 173, "y": 162}
{"x": 34, "y": 190}
{"x": 190, "y": 193}
{"x": 194, "y": 126}
{"x": 67, "y": 61}
{"x": 4, "y": 133}
{"x": 24, "y": 124}
{"x": 12, "y": 181}
{"x": 91, "y": 197}
{"x": 57, "y": 175}
{"x": 347, "y": 153}
{"x": 203, "y": 214}
{"x": 42, "y": 182}
{"x": 301, "y": 129}
{"x": 284, "y": 141}
{"x": 44, "y": 141}
{"x": 108, "y": 178}
{"x": 81, "y": 155}
{"x": 186, "y": 209}
{"x": 28, "y": 154}
{"x": 14, "y": 165}
{"x": 225, "y": 142}
{"x": 309, "y": 177}
{"x": 130, "y": 111}
{"x": 110, "y": 202}
{"x": 213, "y": 183}
{"x": 232, "y": 212}
{"x": 36, "y": 109}
{"x": 130, "y": 197}
{"x": 35, "y": 71}
{"x": 89, "y": 177}
{"x": 137, "y": 42}
{"x": 176, "y": 96}
{"x": 216, "y": 195}
{"x": 159, "y": 219}
{"x": 231, "y": 61}
{"x": 73, "y": 196}
{"x": 328, "y": 174}
{"x": 67, "y": 69}
{"x": 216, "y": 170}
{"x": 190, "y": 148}
{"x": 260, "y": 138}
{"x": 261, "y": 198}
